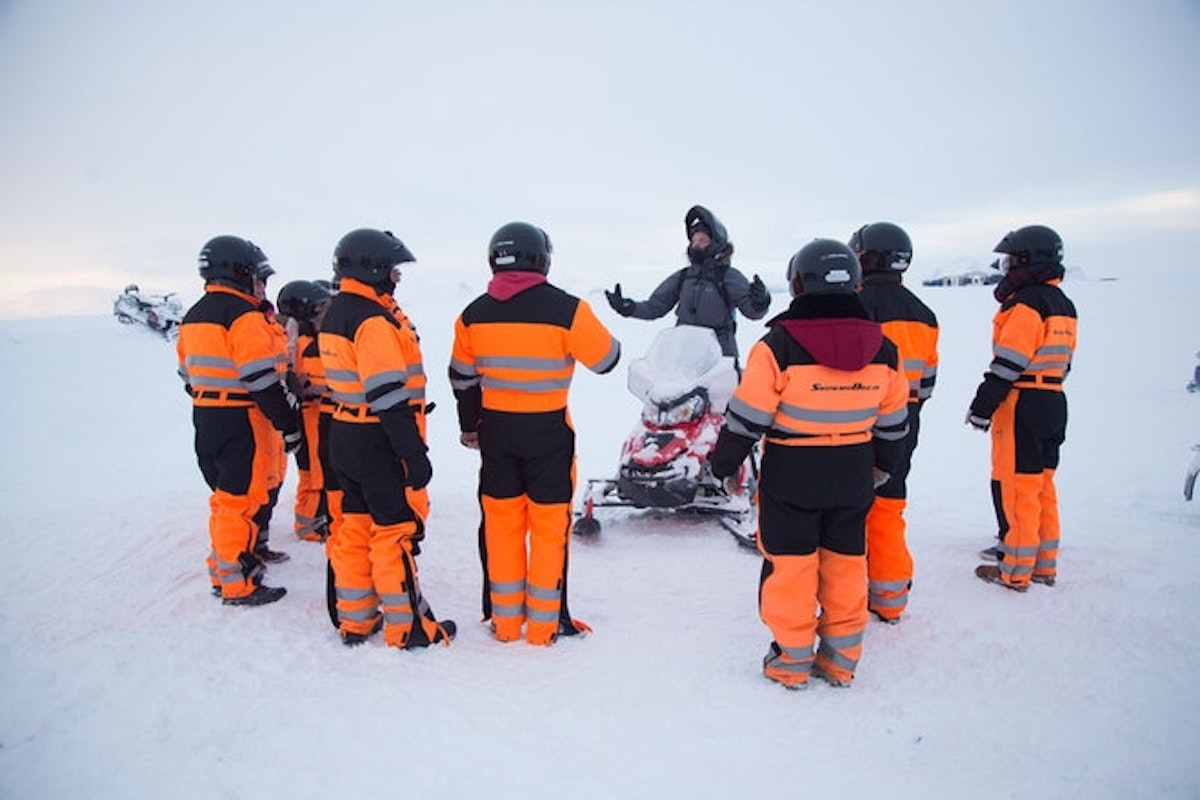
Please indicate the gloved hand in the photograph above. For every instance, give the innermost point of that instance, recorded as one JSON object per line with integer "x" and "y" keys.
{"x": 469, "y": 439}
{"x": 620, "y": 304}
{"x": 293, "y": 441}
{"x": 417, "y": 469}
{"x": 978, "y": 423}
{"x": 759, "y": 296}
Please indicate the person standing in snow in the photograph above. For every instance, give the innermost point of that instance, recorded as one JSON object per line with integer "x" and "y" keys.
{"x": 376, "y": 378}
{"x": 1022, "y": 402}
{"x": 885, "y": 251}
{"x": 825, "y": 387}
{"x": 240, "y": 407}
{"x": 513, "y": 358}
{"x": 708, "y": 291}
{"x": 304, "y": 303}
{"x": 278, "y": 471}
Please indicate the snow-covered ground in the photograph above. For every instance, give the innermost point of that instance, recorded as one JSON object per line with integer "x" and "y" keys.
{"x": 123, "y": 678}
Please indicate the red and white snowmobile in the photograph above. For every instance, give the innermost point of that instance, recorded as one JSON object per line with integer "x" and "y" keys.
{"x": 684, "y": 383}
{"x": 161, "y": 313}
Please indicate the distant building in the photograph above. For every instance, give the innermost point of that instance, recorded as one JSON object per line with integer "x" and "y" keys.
{"x": 972, "y": 277}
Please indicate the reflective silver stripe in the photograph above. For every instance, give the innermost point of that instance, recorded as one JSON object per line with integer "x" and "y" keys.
{"x": 831, "y": 649}
{"x": 254, "y": 367}
{"x": 1012, "y": 356}
{"x": 888, "y": 601}
{"x": 735, "y": 426}
{"x": 508, "y": 610}
{"x": 750, "y": 413}
{"x": 539, "y": 593}
{"x": 200, "y": 382}
{"x": 538, "y": 615}
{"x": 399, "y": 397}
{"x": 889, "y": 586}
{"x": 463, "y": 368}
{"x": 384, "y": 378}
{"x": 799, "y": 664}
{"x": 815, "y": 415}
{"x": 610, "y": 358}
{"x": 266, "y": 380}
{"x": 895, "y": 418}
{"x": 1052, "y": 350}
{"x": 517, "y": 362}
{"x": 1049, "y": 544}
{"x": 914, "y": 365}
{"x": 462, "y": 386}
{"x": 394, "y": 600}
{"x": 890, "y": 435}
{"x": 355, "y": 594}
{"x": 1012, "y": 569}
{"x": 357, "y": 614}
{"x": 527, "y": 386}
{"x": 343, "y": 375}
{"x": 1022, "y": 552}
{"x": 210, "y": 361}
{"x": 1045, "y": 564}
{"x": 397, "y": 617}
{"x": 506, "y": 587}
{"x": 1004, "y": 372}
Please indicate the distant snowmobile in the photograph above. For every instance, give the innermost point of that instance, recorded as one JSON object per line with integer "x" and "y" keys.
{"x": 161, "y": 313}
{"x": 684, "y": 383}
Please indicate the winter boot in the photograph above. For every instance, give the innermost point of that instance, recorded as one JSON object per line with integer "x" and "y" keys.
{"x": 261, "y": 596}
{"x": 991, "y": 554}
{"x": 269, "y": 556}
{"x": 991, "y": 574}
{"x": 1045, "y": 580}
{"x": 355, "y": 639}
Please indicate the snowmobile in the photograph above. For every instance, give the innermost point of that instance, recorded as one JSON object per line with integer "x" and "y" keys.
{"x": 684, "y": 383}
{"x": 161, "y": 313}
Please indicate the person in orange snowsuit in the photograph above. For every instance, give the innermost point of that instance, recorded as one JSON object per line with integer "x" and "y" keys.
{"x": 825, "y": 388}
{"x": 227, "y": 359}
{"x": 278, "y": 471}
{"x": 513, "y": 358}
{"x": 1022, "y": 402}
{"x": 376, "y": 378}
{"x": 884, "y": 250}
{"x": 304, "y": 304}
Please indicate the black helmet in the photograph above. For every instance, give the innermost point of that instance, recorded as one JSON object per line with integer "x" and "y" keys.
{"x": 824, "y": 266}
{"x": 300, "y": 299}
{"x": 1031, "y": 245}
{"x": 519, "y": 246}
{"x": 368, "y": 255}
{"x": 234, "y": 261}
{"x": 882, "y": 247}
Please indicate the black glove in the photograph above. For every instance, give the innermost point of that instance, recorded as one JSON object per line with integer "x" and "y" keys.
{"x": 731, "y": 450}
{"x": 759, "y": 296}
{"x": 400, "y": 425}
{"x": 620, "y": 304}
{"x": 417, "y": 470}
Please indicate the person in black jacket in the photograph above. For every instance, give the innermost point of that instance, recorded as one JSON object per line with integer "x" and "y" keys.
{"x": 708, "y": 291}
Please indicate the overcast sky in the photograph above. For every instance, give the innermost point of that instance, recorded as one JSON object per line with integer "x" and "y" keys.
{"x": 134, "y": 130}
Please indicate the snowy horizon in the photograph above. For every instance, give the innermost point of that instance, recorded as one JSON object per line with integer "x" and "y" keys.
{"x": 124, "y": 678}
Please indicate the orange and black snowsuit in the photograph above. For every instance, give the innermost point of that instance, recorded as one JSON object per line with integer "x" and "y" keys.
{"x": 312, "y": 507}
{"x": 278, "y": 471}
{"x": 825, "y": 388}
{"x": 514, "y": 354}
{"x": 376, "y": 379}
{"x": 1033, "y": 343}
{"x": 913, "y": 328}
{"x": 228, "y": 360}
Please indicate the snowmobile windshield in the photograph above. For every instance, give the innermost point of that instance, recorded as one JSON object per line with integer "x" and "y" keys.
{"x": 690, "y": 407}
